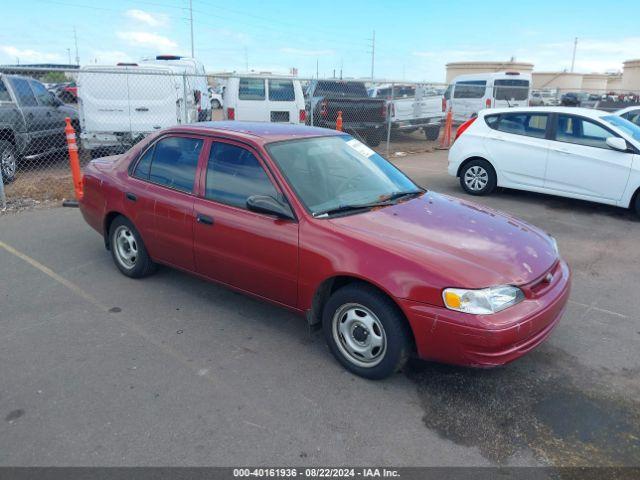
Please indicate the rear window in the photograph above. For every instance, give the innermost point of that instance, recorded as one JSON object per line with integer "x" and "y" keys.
{"x": 251, "y": 89}
{"x": 4, "y": 93}
{"x": 470, "y": 89}
{"x": 509, "y": 89}
{"x": 281, "y": 91}
{"x": 345, "y": 89}
{"x": 23, "y": 91}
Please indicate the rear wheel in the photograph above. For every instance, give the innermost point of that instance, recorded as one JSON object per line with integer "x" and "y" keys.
{"x": 637, "y": 204}
{"x": 373, "y": 137}
{"x": 8, "y": 161}
{"x": 128, "y": 250}
{"x": 478, "y": 177}
{"x": 366, "y": 332}
{"x": 432, "y": 132}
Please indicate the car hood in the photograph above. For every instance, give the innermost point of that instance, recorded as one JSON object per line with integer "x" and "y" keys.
{"x": 465, "y": 244}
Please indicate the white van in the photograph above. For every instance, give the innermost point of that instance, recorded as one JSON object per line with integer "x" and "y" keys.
{"x": 259, "y": 98}
{"x": 119, "y": 105}
{"x": 195, "y": 79}
{"x": 468, "y": 94}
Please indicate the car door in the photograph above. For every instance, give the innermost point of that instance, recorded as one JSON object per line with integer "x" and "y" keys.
{"x": 252, "y": 104}
{"x": 581, "y": 163}
{"x": 53, "y": 120}
{"x": 518, "y": 147}
{"x": 255, "y": 252}
{"x": 34, "y": 115}
{"x": 281, "y": 104}
{"x": 467, "y": 98}
{"x": 168, "y": 193}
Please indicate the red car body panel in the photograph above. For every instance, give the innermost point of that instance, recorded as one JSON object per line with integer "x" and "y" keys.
{"x": 411, "y": 250}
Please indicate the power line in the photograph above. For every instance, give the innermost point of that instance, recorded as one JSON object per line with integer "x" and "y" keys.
{"x": 191, "y": 24}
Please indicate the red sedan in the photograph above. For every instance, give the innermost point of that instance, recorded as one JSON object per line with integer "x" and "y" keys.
{"x": 317, "y": 222}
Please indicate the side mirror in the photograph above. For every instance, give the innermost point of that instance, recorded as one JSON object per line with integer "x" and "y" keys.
{"x": 270, "y": 206}
{"x": 617, "y": 143}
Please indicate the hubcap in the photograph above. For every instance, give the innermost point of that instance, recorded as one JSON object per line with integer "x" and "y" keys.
{"x": 8, "y": 163}
{"x": 359, "y": 335}
{"x": 126, "y": 247}
{"x": 476, "y": 178}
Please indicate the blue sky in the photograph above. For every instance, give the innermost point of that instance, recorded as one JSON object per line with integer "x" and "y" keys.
{"x": 414, "y": 39}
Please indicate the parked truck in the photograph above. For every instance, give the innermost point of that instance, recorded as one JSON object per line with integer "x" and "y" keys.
{"x": 411, "y": 107}
{"x": 362, "y": 116}
{"x": 32, "y": 122}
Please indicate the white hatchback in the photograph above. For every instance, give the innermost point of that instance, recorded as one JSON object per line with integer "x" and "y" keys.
{"x": 572, "y": 152}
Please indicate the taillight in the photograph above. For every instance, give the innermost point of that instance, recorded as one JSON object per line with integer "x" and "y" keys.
{"x": 231, "y": 113}
{"x": 444, "y": 104}
{"x": 464, "y": 126}
{"x": 323, "y": 109}
{"x": 487, "y": 103}
{"x": 303, "y": 116}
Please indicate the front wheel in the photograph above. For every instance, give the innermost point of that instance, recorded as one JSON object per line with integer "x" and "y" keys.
{"x": 366, "y": 332}
{"x": 478, "y": 177}
{"x": 128, "y": 250}
{"x": 637, "y": 204}
{"x": 8, "y": 161}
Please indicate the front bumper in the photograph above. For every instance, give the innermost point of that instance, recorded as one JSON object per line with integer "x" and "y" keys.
{"x": 490, "y": 340}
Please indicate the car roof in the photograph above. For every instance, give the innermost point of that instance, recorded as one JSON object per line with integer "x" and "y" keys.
{"x": 260, "y": 132}
{"x": 585, "y": 112}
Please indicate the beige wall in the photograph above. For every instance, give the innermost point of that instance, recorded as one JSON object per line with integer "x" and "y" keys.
{"x": 594, "y": 82}
{"x": 631, "y": 75}
{"x": 557, "y": 80}
{"x": 464, "y": 68}
{"x": 614, "y": 83}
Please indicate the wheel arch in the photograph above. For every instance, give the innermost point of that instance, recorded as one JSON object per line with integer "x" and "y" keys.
{"x": 470, "y": 159}
{"x": 634, "y": 198}
{"x": 332, "y": 284}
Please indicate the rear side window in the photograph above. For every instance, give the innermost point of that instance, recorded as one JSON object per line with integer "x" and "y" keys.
{"x": 492, "y": 121}
{"x": 581, "y": 131}
{"x": 23, "y": 91}
{"x": 234, "y": 174}
{"x": 144, "y": 165}
{"x": 281, "y": 91}
{"x": 251, "y": 89}
{"x": 173, "y": 163}
{"x": 4, "y": 93}
{"x": 470, "y": 89}
{"x": 508, "y": 89}
{"x": 528, "y": 124}
{"x": 447, "y": 92}
{"x": 42, "y": 94}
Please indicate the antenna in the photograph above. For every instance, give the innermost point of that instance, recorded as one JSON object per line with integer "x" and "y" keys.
{"x": 75, "y": 41}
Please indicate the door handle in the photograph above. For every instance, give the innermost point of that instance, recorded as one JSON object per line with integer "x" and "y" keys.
{"x": 131, "y": 196}
{"x": 204, "y": 219}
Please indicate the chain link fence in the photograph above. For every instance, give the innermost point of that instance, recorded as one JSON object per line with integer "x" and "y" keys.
{"x": 114, "y": 107}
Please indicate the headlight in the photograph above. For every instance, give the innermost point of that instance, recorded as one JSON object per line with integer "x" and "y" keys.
{"x": 554, "y": 244}
{"x": 482, "y": 302}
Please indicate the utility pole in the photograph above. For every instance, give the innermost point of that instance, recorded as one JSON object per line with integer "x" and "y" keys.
{"x": 246, "y": 59}
{"x": 75, "y": 41}
{"x": 373, "y": 52}
{"x": 573, "y": 59}
{"x": 191, "y": 23}
{"x": 69, "y": 55}
{"x": 317, "y": 76}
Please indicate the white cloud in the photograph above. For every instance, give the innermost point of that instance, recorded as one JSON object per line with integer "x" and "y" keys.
{"x": 151, "y": 19}
{"x": 29, "y": 54}
{"x": 307, "y": 53}
{"x": 147, "y": 39}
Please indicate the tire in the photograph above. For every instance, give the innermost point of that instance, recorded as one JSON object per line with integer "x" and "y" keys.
{"x": 373, "y": 138}
{"x": 361, "y": 316}
{"x": 432, "y": 132}
{"x": 637, "y": 205}
{"x": 128, "y": 251}
{"x": 8, "y": 161}
{"x": 478, "y": 177}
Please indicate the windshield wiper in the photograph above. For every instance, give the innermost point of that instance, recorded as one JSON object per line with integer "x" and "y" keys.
{"x": 388, "y": 200}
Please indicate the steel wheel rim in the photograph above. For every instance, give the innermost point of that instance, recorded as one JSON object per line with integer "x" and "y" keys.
{"x": 359, "y": 335}
{"x": 126, "y": 247}
{"x": 8, "y": 163}
{"x": 476, "y": 178}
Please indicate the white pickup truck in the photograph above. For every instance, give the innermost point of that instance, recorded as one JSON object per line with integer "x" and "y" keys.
{"x": 411, "y": 107}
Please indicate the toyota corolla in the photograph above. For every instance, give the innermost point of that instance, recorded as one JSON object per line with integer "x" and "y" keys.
{"x": 317, "y": 222}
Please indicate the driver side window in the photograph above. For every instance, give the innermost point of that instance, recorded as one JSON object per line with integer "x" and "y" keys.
{"x": 234, "y": 174}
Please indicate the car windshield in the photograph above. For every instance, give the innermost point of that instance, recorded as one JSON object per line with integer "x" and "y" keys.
{"x": 625, "y": 125}
{"x": 339, "y": 173}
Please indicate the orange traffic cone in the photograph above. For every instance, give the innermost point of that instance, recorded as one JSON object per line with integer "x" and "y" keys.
{"x": 339, "y": 121}
{"x": 445, "y": 140}
{"x": 74, "y": 161}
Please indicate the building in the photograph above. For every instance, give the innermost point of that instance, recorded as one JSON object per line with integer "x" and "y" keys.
{"x": 462, "y": 68}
